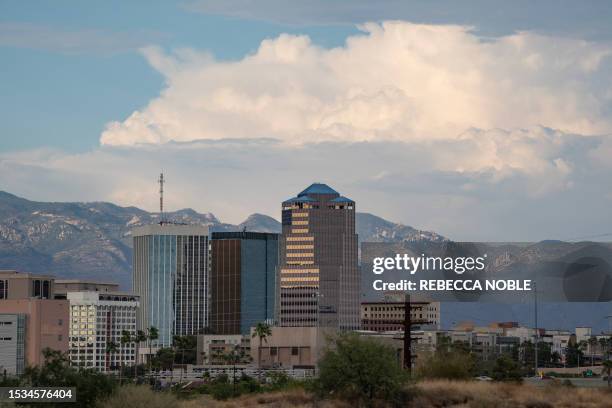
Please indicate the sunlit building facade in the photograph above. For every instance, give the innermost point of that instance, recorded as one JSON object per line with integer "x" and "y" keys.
{"x": 170, "y": 264}
{"x": 319, "y": 279}
{"x": 96, "y": 319}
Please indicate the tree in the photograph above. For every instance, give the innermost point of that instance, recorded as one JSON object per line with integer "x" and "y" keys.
{"x": 152, "y": 335}
{"x": 112, "y": 348}
{"x": 506, "y": 369}
{"x": 234, "y": 357}
{"x": 139, "y": 337}
{"x": 607, "y": 370}
{"x": 125, "y": 340}
{"x": 453, "y": 363}
{"x": 164, "y": 358}
{"x": 592, "y": 344}
{"x": 57, "y": 372}
{"x": 261, "y": 331}
{"x": 362, "y": 369}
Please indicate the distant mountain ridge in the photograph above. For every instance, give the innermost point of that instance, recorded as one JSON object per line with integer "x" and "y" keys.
{"x": 93, "y": 240}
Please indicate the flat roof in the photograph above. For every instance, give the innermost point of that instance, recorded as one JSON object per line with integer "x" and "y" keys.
{"x": 86, "y": 282}
{"x": 169, "y": 229}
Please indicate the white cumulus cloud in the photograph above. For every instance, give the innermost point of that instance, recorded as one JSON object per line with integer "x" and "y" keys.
{"x": 394, "y": 81}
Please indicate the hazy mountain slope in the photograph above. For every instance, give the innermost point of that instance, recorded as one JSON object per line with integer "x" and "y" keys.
{"x": 93, "y": 240}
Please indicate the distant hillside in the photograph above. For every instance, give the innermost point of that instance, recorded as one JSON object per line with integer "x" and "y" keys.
{"x": 93, "y": 240}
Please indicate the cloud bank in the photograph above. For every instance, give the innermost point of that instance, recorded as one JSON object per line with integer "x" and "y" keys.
{"x": 395, "y": 81}
{"x": 478, "y": 139}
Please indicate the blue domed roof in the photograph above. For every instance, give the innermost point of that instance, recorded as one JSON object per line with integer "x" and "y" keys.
{"x": 342, "y": 199}
{"x": 300, "y": 200}
{"x": 318, "y": 188}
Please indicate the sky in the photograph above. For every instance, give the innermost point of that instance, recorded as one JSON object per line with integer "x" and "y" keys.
{"x": 480, "y": 120}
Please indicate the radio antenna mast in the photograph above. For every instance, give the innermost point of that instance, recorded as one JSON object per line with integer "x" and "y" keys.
{"x": 161, "y": 198}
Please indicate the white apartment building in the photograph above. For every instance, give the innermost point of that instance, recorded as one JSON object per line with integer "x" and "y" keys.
{"x": 96, "y": 319}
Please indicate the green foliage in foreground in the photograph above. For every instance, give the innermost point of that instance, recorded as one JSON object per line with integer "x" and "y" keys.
{"x": 56, "y": 372}
{"x": 506, "y": 369}
{"x": 450, "y": 361}
{"x": 360, "y": 369}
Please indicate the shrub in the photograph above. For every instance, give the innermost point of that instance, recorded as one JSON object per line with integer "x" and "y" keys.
{"x": 139, "y": 396}
{"x": 506, "y": 369}
{"x": 359, "y": 368}
{"x": 452, "y": 365}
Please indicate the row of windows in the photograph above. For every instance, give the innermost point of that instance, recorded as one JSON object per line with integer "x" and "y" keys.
{"x": 299, "y": 279}
{"x": 300, "y": 255}
{"x": 307, "y": 270}
{"x": 299, "y": 239}
{"x": 307, "y": 246}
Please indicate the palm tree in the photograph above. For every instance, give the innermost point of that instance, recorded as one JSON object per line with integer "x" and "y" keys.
{"x": 112, "y": 348}
{"x": 126, "y": 339}
{"x": 139, "y": 337}
{"x": 592, "y": 343}
{"x": 152, "y": 335}
{"x": 262, "y": 331}
{"x": 607, "y": 369}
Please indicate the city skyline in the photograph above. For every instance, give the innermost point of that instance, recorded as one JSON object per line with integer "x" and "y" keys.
{"x": 478, "y": 127}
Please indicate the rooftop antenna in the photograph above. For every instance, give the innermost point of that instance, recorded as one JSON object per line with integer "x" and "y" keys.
{"x": 161, "y": 198}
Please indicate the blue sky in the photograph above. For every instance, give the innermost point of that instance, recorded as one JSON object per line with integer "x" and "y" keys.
{"x": 58, "y": 94}
{"x": 480, "y": 120}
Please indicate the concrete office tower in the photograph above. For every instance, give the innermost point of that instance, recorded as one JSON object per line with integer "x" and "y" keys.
{"x": 242, "y": 280}
{"x": 170, "y": 265}
{"x": 97, "y": 318}
{"x": 319, "y": 276}
{"x": 12, "y": 343}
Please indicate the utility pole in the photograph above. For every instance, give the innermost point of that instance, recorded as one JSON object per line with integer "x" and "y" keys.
{"x": 408, "y": 323}
{"x": 537, "y": 333}
{"x": 407, "y": 335}
{"x": 161, "y": 198}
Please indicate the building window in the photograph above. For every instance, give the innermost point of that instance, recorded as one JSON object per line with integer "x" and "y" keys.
{"x": 36, "y": 288}
{"x": 295, "y": 351}
{"x": 273, "y": 351}
{"x": 3, "y": 289}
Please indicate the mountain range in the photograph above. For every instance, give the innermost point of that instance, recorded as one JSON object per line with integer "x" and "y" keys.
{"x": 93, "y": 240}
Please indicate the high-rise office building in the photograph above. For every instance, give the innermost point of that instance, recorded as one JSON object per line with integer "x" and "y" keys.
{"x": 170, "y": 265}
{"x": 319, "y": 275}
{"x": 96, "y": 319}
{"x": 242, "y": 280}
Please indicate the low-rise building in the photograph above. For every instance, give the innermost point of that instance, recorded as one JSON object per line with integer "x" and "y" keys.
{"x": 389, "y": 315}
{"x": 25, "y": 285}
{"x": 12, "y": 343}
{"x": 290, "y": 347}
{"x": 96, "y": 319}
{"x": 46, "y": 326}
{"x": 212, "y": 348}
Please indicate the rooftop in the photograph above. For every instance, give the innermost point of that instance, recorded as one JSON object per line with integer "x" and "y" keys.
{"x": 318, "y": 188}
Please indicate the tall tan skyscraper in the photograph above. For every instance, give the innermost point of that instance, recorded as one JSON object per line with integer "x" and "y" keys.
{"x": 319, "y": 276}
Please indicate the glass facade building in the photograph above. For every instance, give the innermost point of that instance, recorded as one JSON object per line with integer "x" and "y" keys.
{"x": 170, "y": 264}
{"x": 242, "y": 280}
{"x": 319, "y": 274}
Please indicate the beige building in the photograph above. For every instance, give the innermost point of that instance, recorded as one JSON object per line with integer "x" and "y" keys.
{"x": 46, "y": 325}
{"x": 63, "y": 286}
{"x": 389, "y": 316}
{"x": 291, "y": 347}
{"x": 25, "y": 285}
{"x": 97, "y": 318}
{"x": 212, "y": 347}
